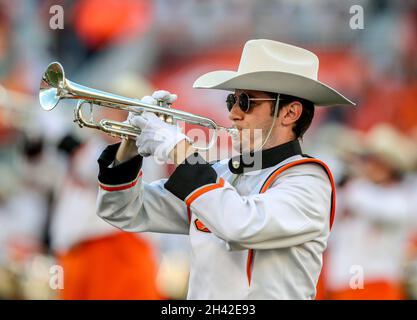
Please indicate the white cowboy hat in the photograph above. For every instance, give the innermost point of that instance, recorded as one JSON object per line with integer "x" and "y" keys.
{"x": 274, "y": 66}
{"x": 388, "y": 144}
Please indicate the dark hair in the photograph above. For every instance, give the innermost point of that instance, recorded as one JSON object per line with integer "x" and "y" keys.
{"x": 307, "y": 114}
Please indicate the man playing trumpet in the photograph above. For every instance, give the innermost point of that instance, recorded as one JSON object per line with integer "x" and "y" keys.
{"x": 257, "y": 231}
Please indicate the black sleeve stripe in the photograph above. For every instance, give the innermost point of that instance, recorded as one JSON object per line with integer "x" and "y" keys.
{"x": 189, "y": 176}
{"x": 123, "y": 173}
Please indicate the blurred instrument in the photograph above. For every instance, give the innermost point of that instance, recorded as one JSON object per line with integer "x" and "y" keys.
{"x": 55, "y": 87}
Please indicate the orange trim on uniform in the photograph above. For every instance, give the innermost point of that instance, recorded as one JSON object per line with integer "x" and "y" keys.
{"x": 189, "y": 214}
{"x": 249, "y": 264}
{"x": 200, "y": 192}
{"x": 123, "y": 186}
{"x": 272, "y": 178}
{"x": 203, "y": 190}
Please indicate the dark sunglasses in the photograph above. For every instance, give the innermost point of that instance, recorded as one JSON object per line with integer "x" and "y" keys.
{"x": 244, "y": 101}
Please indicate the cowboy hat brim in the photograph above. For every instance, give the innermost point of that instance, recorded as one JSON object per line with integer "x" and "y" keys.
{"x": 274, "y": 81}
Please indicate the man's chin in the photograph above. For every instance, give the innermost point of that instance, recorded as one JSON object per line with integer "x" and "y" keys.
{"x": 244, "y": 144}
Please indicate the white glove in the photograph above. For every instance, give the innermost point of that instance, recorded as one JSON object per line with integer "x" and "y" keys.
{"x": 157, "y": 95}
{"x": 157, "y": 137}
{"x": 164, "y": 95}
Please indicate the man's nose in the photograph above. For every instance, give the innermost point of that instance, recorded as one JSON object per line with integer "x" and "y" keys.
{"x": 236, "y": 113}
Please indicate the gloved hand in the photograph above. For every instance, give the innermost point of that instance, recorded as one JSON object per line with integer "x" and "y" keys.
{"x": 164, "y": 95}
{"x": 157, "y": 138}
{"x": 157, "y": 95}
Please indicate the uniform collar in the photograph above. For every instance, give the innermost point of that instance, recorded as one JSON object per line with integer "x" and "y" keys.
{"x": 263, "y": 159}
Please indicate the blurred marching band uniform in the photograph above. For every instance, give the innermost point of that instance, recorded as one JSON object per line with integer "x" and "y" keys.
{"x": 25, "y": 196}
{"x": 375, "y": 219}
{"x": 23, "y": 215}
{"x": 99, "y": 261}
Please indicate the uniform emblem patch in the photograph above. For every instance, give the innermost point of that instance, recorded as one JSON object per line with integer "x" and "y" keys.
{"x": 200, "y": 226}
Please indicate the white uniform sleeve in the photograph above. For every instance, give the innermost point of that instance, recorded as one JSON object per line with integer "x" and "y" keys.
{"x": 128, "y": 203}
{"x": 378, "y": 203}
{"x": 295, "y": 210}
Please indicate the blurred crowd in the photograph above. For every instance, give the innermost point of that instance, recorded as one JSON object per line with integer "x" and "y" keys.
{"x": 48, "y": 165}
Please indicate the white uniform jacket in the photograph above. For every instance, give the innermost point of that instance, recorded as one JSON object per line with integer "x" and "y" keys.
{"x": 371, "y": 235}
{"x": 255, "y": 234}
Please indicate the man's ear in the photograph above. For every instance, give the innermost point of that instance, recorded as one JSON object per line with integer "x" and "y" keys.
{"x": 291, "y": 113}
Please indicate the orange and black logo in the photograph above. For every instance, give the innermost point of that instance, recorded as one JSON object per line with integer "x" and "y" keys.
{"x": 200, "y": 226}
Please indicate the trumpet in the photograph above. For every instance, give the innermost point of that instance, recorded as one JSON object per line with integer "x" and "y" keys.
{"x": 54, "y": 87}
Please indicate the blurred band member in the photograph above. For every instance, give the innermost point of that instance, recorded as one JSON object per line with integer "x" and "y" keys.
{"x": 368, "y": 246}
